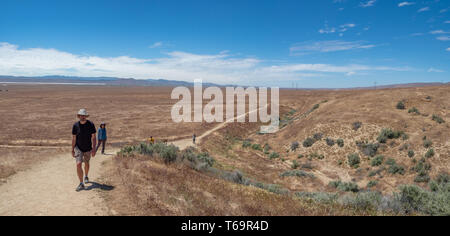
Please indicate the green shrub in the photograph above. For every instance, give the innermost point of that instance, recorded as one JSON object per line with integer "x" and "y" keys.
{"x": 387, "y": 134}
{"x": 427, "y": 143}
{"x": 316, "y": 155}
{"x": 274, "y": 155}
{"x": 296, "y": 173}
{"x": 345, "y": 186}
{"x": 340, "y": 142}
{"x": 300, "y": 156}
{"x": 353, "y": 160}
{"x": 405, "y": 136}
{"x": 422, "y": 177}
{"x": 308, "y": 142}
{"x": 438, "y": 119}
{"x": 396, "y": 169}
{"x": 430, "y": 153}
{"x": 294, "y": 145}
{"x": 368, "y": 149}
{"x": 169, "y": 153}
{"x": 295, "y": 164}
{"x": 414, "y": 198}
{"x": 257, "y": 147}
{"x": 330, "y": 142}
{"x": 246, "y": 144}
{"x": 356, "y": 126}
{"x": 377, "y": 161}
{"x": 411, "y": 153}
{"x": 414, "y": 110}
{"x": 401, "y": 105}
{"x": 319, "y": 197}
{"x": 205, "y": 158}
{"x": 316, "y": 107}
{"x": 391, "y": 161}
{"x": 372, "y": 183}
{"x": 318, "y": 136}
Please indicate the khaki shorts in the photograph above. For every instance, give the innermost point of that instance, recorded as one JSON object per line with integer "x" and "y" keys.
{"x": 81, "y": 157}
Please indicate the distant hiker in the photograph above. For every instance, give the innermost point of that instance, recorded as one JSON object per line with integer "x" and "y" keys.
{"x": 193, "y": 138}
{"x": 83, "y": 145}
{"x": 101, "y": 136}
{"x": 151, "y": 140}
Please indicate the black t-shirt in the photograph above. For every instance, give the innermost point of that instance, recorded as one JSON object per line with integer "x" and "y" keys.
{"x": 84, "y": 135}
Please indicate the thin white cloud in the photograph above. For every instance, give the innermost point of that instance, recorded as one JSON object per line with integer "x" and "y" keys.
{"x": 403, "y": 4}
{"x": 327, "y": 46}
{"x": 339, "y": 29}
{"x": 424, "y": 9}
{"x": 218, "y": 68}
{"x": 433, "y": 70}
{"x": 157, "y": 45}
{"x": 448, "y": 50}
{"x": 369, "y": 3}
{"x": 447, "y": 22}
{"x": 443, "y": 38}
{"x": 439, "y": 32}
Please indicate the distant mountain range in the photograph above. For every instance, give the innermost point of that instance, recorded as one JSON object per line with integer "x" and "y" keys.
{"x": 98, "y": 80}
{"x": 58, "y": 79}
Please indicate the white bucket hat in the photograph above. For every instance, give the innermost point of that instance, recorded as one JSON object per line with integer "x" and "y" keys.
{"x": 83, "y": 112}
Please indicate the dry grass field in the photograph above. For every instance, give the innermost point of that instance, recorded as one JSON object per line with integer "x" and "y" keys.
{"x": 277, "y": 168}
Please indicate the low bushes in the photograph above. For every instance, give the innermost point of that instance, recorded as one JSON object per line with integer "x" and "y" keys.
{"x": 356, "y": 126}
{"x": 308, "y": 142}
{"x": 330, "y": 142}
{"x": 394, "y": 168}
{"x": 430, "y": 153}
{"x": 414, "y": 110}
{"x": 377, "y": 161}
{"x": 340, "y": 142}
{"x": 353, "y": 160}
{"x": 387, "y": 134}
{"x": 368, "y": 149}
{"x": 294, "y": 145}
{"x": 344, "y": 186}
{"x": 296, "y": 173}
{"x": 372, "y": 183}
{"x": 438, "y": 119}
{"x": 427, "y": 143}
{"x": 274, "y": 155}
{"x": 401, "y": 105}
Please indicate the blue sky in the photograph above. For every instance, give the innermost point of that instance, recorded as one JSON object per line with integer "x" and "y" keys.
{"x": 322, "y": 43}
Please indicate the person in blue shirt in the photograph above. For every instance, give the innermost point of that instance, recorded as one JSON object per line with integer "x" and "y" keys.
{"x": 102, "y": 137}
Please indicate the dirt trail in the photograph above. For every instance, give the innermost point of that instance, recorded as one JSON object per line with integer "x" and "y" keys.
{"x": 184, "y": 143}
{"x": 48, "y": 188}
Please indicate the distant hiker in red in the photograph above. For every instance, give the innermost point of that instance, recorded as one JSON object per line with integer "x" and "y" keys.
{"x": 83, "y": 145}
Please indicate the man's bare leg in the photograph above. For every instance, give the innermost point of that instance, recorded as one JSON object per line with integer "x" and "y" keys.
{"x": 86, "y": 168}
{"x": 80, "y": 172}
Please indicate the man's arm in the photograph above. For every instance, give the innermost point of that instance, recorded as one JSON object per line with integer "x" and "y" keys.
{"x": 94, "y": 144}
{"x": 74, "y": 141}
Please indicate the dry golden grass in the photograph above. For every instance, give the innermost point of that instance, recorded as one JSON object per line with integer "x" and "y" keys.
{"x": 150, "y": 187}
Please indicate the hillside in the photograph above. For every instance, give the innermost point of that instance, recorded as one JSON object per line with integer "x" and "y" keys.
{"x": 414, "y": 151}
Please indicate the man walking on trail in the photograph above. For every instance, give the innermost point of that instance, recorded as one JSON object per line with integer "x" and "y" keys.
{"x": 193, "y": 138}
{"x": 83, "y": 145}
